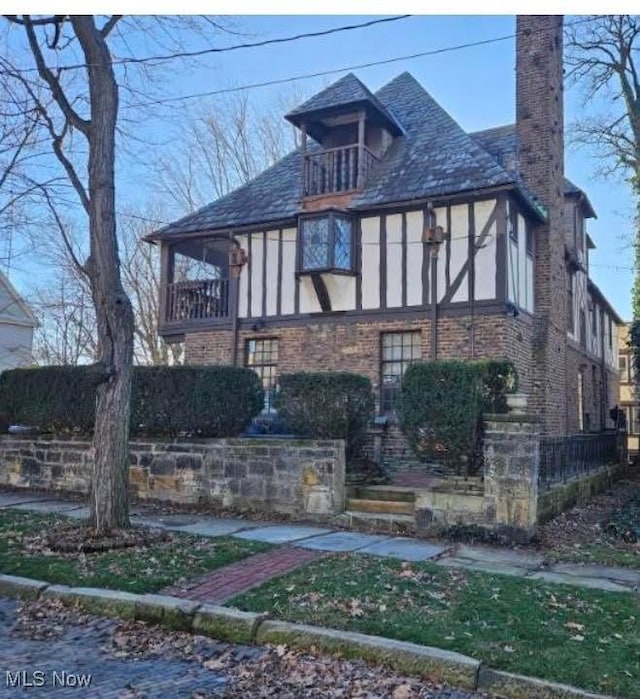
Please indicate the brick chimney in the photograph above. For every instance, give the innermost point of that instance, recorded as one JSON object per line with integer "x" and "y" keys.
{"x": 540, "y": 131}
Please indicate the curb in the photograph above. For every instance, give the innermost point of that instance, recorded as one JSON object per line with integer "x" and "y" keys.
{"x": 236, "y": 626}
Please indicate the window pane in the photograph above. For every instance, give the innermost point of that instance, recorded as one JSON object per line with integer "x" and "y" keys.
{"x": 399, "y": 349}
{"x": 342, "y": 247}
{"x": 262, "y": 357}
{"x": 315, "y": 243}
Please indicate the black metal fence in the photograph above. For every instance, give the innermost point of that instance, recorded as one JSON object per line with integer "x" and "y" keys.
{"x": 562, "y": 458}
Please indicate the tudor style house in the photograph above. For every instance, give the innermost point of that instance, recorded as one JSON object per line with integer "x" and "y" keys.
{"x": 393, "y": 235}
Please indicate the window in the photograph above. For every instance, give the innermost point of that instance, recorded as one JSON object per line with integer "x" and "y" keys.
{"x": 578, "y": 229}
{"x": 581, "y": 414}
{"x": 624, "y": 368}
{"x": 594, "y": 319}
{"x": 610, "y": 333}
{"x": 262, "y": 357}
{"x": 399, "y": 349}
{"x": 570, "y": 314}
{"x": 635, "y": 420}
{"x": 326, "y": 244}
{"x": 583, "y": 329}
{"x": 529, "y": 240}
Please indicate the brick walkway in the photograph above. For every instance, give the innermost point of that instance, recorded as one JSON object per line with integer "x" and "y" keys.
{"x": 223, "y": 584}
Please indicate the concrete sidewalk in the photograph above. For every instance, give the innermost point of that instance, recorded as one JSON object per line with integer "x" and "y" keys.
{"x": 530, "y": 565}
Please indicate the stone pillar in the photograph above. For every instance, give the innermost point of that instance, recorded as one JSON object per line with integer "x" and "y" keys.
{"x": 511, "y": 464}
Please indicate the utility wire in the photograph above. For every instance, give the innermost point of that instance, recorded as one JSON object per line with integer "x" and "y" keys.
{"x": 333, "y": 71}
{"x": 225, "y": 49}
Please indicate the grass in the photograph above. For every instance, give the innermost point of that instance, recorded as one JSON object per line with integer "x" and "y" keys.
{"x": 601, "y": 554}
{"x": 587, "y": 638}
{"x": 147, "y": 569}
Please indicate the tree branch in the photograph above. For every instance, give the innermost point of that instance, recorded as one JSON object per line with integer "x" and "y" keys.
{"x": 52, "y": 81}
{"x": 110, "y": 24}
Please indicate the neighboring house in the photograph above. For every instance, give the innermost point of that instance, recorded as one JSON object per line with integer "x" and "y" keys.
{"x": 628, "y": 402}
{"x": 17, "y": 323}
{"x": 393, "y": 235}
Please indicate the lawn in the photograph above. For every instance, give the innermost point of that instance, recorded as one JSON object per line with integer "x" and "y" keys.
{"x": 587, "y": 638}
{"x": 138, "y": 569}
{"x": 602, "y": 553}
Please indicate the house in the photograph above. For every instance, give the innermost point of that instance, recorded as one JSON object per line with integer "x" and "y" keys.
{"x": 17, "y": 323}
{"x": 628, "y": 403}
{"x": 393, "y": 235}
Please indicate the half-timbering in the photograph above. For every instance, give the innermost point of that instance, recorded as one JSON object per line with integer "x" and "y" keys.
{"x": 393, "y": 235}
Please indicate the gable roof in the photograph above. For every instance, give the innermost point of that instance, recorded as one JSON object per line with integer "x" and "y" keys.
{"x": 434, "y": 157}
{"x": 13, "y": 308}
{"x": 502, "y": 143}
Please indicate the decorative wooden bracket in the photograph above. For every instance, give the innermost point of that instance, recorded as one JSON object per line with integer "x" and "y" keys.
{"x": 321, "y": 292}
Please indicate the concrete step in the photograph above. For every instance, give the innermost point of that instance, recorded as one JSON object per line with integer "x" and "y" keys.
{"x": 378, "y": 522}
{"x": 386, "y": 492}
{"x": 380, "y": 506}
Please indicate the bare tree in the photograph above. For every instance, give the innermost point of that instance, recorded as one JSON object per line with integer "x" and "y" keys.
{"x": 604, "y": 57}
{"x": 66, "y": 333}
{"x": 223, "y": 149}
{"x": 67, "y": 330}
{"x": 91, "y": 113}
{"x": 141, "y": 277}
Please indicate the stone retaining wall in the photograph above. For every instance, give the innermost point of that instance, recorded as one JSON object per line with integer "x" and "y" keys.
{"x": 562, "y": 496}
{"x": 300, "y": 477}
{"x": 508, "y": 499}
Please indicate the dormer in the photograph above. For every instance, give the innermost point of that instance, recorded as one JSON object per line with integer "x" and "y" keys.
{"x": 345, "y": 131}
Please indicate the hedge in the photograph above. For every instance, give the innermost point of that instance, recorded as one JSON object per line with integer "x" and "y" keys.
{"x": 211, "y": 401}
{"x": 441, "y": 405}
{"x": 327, "y": 405}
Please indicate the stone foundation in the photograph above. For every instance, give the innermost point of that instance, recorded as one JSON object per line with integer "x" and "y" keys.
{"x": 298, "y": 477}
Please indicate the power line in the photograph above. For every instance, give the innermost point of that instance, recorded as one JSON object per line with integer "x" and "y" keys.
{"x": 225, "y": 49}
{"x": 333, "y": 71}
{"x": 308, "y": 76}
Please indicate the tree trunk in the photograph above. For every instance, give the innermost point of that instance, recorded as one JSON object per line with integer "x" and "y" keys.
{"x": 109, "y": 485}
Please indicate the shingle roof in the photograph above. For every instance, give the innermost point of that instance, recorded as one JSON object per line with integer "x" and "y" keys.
{"x": 347, "y": 90}
{"x": 502, "y": 143}
{"x": 434, "y": 157}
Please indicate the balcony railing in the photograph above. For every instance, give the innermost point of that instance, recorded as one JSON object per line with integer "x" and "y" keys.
{"x": 197, "y": 299}
{"x": 336, "y": 170}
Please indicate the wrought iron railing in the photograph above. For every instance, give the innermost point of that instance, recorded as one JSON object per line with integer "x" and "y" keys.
{"x": 562, "y": 458}
{"x": 336, "y": 170}
{"x": 197, "y": 299}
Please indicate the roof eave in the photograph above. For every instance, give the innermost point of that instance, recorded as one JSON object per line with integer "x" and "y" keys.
{"x": 593, "y": 288}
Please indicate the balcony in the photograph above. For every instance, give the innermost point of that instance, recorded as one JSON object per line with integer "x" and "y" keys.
{"x": 336, "y": 170}
{"x": 197, "y": 299}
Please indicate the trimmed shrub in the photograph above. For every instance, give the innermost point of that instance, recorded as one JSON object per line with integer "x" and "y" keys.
{"x": 441, "y": 404}
{"x": 327, "y": 405}
{"x": 57, "y": 399}
{"x": 207, "y": 401}
{"x": 211, "y": 401}
{"x": 499, "y": 377}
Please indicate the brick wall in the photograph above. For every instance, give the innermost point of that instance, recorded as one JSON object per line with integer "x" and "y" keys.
{"x": 539, "y": 124}
{"x": 354, "y": 346}
{"x": 303, "y": 477}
